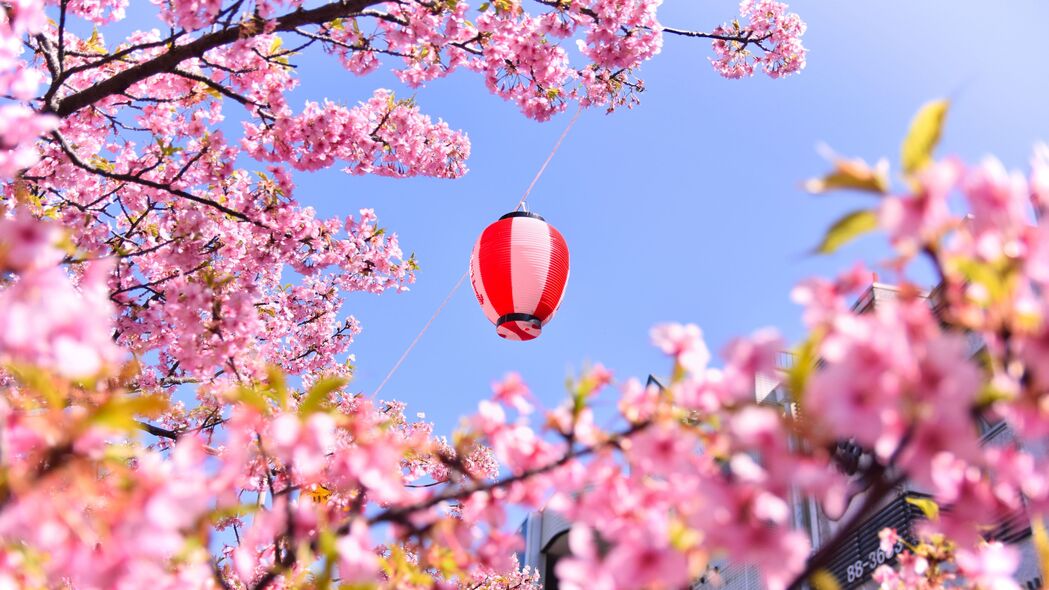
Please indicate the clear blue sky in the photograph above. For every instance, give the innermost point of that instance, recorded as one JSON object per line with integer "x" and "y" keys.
{"x": 687, "y": 208}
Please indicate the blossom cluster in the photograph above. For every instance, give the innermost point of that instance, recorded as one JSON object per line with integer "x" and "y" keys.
{"x": 46, "y": 320}
{"x": 20, "y": 125}
{"x": 772, "y": 29}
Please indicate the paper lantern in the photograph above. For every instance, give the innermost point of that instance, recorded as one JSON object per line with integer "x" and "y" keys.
{"x": 519, "y": 268}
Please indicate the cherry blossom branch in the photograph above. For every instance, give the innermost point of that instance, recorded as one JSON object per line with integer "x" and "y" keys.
{"x": 398, "y": 514}
{"x": 881, "y": 488}
{"x": 878, "y": 488}
{"x": 169, "y": 60}
{"x": 161, "y": 432}
{"x": 323, "y": 38}
{"x": 745, "y": 38}
{"x": 219, "y": 578}
{"x": 218, "y": 88}
{"x": 401, "y": 514}
{"x": 157, "y": 430}
{"x": 79, "y": 163}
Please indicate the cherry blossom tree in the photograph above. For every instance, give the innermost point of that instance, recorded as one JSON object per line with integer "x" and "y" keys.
{"x": 137, "y": 257}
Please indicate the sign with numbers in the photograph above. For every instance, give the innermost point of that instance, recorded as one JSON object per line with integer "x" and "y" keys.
{"x": 860, "y": 554}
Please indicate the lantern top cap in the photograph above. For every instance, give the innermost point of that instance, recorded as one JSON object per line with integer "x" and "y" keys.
{"x": 513, "y": 214}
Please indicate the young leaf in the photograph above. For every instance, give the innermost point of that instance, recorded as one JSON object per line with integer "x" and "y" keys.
{"x": 278, "y": 386}
{"x": 922, "y": 137}
{"x": 803, "y": 364}
{"x": 853, "y": 175}
{"x": 251, "y": 397}
{"x": 929, "y": 508}
{"x": 319, "y": 494}
{"x": 1041, "y": 544}
{"x": 823, "y": 580}
{"x": 94, "y": 42}
{"x": 318, "y": 394}
{"x": 119, "y": 412}
{"x": 846, "y": 229}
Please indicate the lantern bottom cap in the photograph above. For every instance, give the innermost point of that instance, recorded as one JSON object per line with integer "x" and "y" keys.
{"x": 519, "y": 326}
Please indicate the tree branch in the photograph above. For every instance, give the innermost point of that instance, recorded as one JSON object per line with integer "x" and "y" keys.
{"x": 400, "y": 514}
{"x": 217, "y": 87}
{"x": 822, "y": 557}
{"x": 169, "y": 60}
{"x": 157, "y": 430}
{"x": 745, "y": 38}
{"x": 75, "y": 159}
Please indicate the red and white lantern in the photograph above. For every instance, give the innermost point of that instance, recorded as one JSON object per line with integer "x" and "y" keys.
{"x": 519, "y": 268}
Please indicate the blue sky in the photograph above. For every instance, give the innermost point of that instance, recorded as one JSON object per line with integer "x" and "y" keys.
{"x": 687, "y": 208}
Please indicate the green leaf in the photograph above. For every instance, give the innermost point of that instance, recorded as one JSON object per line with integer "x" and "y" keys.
{"x": 317, "y": 396}
{"x": 998, "y": 277}
{"x": 276, "y": 44}
{"x": 101, "y": 163}
{"x": 119, "y": 412}
{"x": 846, "y": 229}
{"x": 823, "y": 580}
{"x": 278, "y": 386}
{"x": 804, "y": 363}
{"x": 1041, "y": 544}
{"x": 923, "y": 136}
{"x": 412, "y": 264}
{"x": 94, "y": 42}
{"x": 853, "y": 175}
{"x": 929, "y": 508}
{"x": 166, "y": 149}
{"x": 40, "y": 382}
{"x": 251, "y": 397}
{"x": 235, "y": 510}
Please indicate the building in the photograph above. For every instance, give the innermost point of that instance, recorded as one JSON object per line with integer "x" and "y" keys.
{"x": 546, "y": 542}
{"x": 854, "y": 558}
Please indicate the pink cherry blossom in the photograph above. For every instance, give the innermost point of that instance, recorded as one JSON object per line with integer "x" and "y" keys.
{"x": 684, "y": 343}
{"x": 773, "y": 30}
{"x": 887, "y": 539}
{"x": 991, "y": 566}
{"x": 358, "y": 563}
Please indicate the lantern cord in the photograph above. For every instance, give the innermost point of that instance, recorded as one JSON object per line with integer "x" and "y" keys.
{"x": 419, "y": 336}
{"x": 542, "y": 168}
{"x": 459, "y": 283}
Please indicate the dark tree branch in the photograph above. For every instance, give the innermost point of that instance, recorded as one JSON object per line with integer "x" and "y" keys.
{"x": 168, "y": 61}
{"x": 744, "y": 37}
{"x": 223, "y": 90}
{"x": 79, "y": 163}
{"x": 157, "y": 430}
{"x": 61, "y": 36}
{"x": 399, "y": 514}
{"x": 822, "y": 557}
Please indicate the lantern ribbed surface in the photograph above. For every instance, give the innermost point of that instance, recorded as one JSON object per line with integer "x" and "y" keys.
{"x": 518, "y": 269}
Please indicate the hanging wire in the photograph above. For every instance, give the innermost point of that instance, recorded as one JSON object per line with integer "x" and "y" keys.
{"x": 522, "y": 205}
